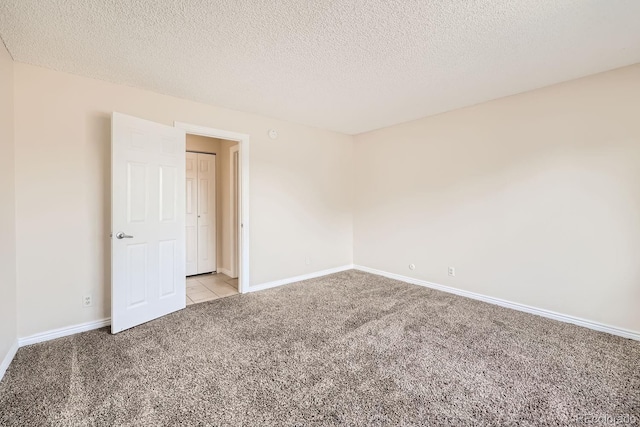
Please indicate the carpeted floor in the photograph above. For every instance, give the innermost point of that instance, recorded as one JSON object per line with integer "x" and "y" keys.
{"x": 346, "y": 349}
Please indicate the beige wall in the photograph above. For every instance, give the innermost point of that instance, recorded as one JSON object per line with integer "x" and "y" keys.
{"x": 8, "y": 313}
{"x": 299, "y": 203}
{"x": 219, "y": 147}
{"x": 533, "y": 198}
{"x": 203, "y": 144}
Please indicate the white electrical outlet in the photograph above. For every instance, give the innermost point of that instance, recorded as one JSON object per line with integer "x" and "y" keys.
{"x": 412, "y": 266}
{"x": 87, "y": 301}
{"x": 307, "y": 260}
{"x": 452, "y": 271}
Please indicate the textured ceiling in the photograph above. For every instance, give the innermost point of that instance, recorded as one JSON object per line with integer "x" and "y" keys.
{"x": 345, "y": 65}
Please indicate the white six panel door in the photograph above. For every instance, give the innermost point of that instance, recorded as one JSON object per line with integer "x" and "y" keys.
{"x": 147, "y": 221}
{"x": 206, "y": 213}
{"x": 192, "y": 213}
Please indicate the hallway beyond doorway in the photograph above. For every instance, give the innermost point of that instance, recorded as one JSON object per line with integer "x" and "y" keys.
{"x": 207, "y": 287}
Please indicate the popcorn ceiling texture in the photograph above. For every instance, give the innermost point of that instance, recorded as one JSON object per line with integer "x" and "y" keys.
{"x": 345, "y": 65}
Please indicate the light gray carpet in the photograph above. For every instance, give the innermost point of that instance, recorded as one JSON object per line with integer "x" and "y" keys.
{"x": 346, "y": 349}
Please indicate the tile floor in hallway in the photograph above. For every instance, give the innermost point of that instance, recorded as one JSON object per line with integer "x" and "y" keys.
{"x": 207, "y": 287}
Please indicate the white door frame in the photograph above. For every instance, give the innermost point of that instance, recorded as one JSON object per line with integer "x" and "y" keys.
{"x": 234, "y": 237}
{"x": 243, "y": 144}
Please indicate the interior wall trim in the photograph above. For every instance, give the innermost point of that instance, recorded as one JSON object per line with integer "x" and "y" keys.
{"x": 63, "y": 332}
{"x": 6, "y": 360}
{"x": 596, "y": 326}
{"x": 308, "y": 276}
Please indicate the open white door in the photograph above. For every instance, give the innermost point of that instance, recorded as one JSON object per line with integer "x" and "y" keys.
{"x": 147, "y": 221}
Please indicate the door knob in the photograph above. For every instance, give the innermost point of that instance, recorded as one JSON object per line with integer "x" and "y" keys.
{"x": 121, "y": 235}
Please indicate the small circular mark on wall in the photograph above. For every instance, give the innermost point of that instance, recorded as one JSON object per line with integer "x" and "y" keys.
{"x": 273, "y": 134}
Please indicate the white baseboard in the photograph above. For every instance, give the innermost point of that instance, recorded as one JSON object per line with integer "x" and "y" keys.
{"x": 626, "y": 333}
{"x": 225, "y": 271}
{"x": 281, "y": 282}
{"x": 6, "y": 361}
{"x": 63, "y": 332}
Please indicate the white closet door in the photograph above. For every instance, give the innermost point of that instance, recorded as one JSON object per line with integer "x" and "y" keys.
{"x": 206, "y": 213}
{"x": 192, "y": 214}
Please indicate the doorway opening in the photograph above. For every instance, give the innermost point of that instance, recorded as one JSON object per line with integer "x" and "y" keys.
{"x": 217, "y": 257}
{"x": 208, "y": 219}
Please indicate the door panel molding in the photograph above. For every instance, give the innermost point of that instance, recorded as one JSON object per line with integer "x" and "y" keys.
{"x": 147, "y": 221}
